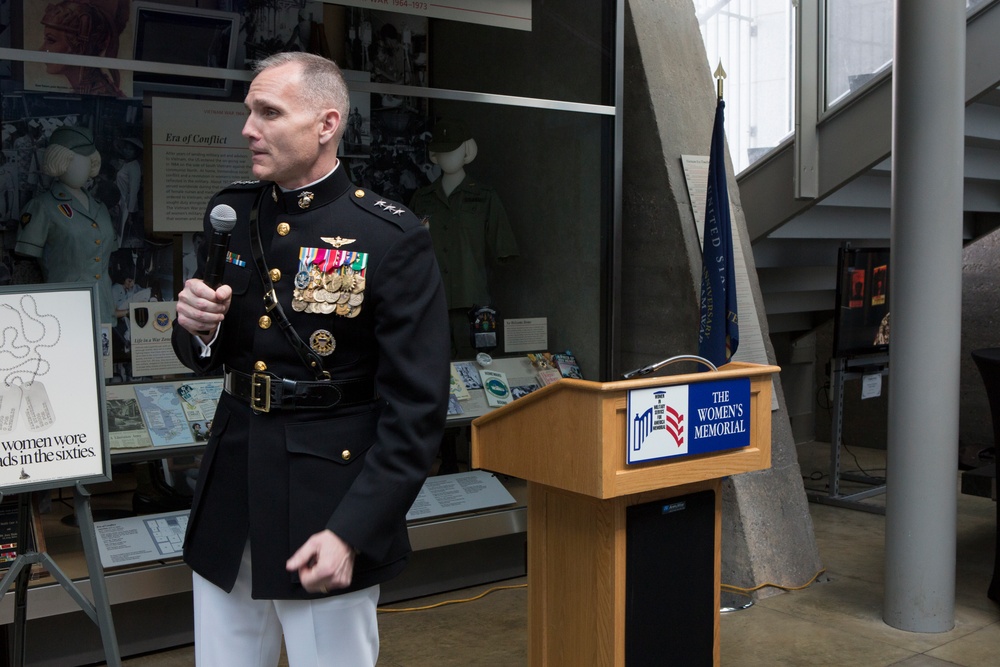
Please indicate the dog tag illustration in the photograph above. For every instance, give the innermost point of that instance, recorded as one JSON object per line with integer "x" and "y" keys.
{"x": 37, "y": 408}
{"x": 10, "y": 406}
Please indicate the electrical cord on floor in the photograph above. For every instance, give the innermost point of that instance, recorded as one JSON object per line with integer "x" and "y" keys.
{"x": 447, "y": 602}
{"x": 726, "y": 587}
{"x": 729, "y": 588}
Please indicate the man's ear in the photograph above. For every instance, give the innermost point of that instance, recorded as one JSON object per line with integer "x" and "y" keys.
{"x": 329, "y": 125}
{"x": 433, "y": 157}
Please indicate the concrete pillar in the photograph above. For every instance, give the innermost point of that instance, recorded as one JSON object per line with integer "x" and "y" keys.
{"x": 925, "y": 299}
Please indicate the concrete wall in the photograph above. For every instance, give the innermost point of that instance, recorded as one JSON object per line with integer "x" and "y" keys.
{"x": 669, "y": 108}
{"x": 980, "y": 328}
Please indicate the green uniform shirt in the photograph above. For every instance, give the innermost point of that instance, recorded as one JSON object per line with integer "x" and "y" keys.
{"x": 468, "y": 229}
{"x": 73, "y": 243}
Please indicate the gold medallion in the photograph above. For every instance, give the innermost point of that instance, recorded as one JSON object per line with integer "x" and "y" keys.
{"x": 284, "y": 228}
{"x": 343, "y": 309}
{"x": 333, "y": 282}
{"x": 264, "y": 322}
{"x": 359, "y": 284}
{"x": 275, "y": 275}
{"x": 322, "y": 342}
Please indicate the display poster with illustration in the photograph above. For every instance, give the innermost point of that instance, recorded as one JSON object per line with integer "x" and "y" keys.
{"x": 52, "y": 425}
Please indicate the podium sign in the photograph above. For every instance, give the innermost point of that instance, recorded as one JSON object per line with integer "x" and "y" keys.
{"x": 687, "y": 419}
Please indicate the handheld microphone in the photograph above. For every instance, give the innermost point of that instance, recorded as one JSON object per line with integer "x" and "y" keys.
{"x": 223, "y": 219}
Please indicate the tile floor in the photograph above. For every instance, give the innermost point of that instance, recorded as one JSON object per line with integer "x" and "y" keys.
{"x": 834, "y": 622}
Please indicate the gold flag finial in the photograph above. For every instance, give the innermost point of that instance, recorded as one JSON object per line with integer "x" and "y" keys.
{"x": 720, "y": 75}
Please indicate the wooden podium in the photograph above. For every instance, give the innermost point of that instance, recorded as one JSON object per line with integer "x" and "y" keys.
{"x": 593, "y": 600}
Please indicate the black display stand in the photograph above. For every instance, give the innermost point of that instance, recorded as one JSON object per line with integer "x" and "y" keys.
{"x": 843, "y": 369}
{"x": 99, "y": 611}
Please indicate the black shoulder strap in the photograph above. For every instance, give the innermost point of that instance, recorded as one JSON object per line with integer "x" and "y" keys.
{"x": 312, "y": 360}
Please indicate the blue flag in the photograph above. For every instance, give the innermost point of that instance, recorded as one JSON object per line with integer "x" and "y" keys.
{"x": 719, "y": 334}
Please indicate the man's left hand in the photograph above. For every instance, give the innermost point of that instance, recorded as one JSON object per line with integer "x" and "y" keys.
{"x": 325, "y": 562}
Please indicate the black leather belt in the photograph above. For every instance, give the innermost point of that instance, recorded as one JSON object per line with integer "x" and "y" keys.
{"x": 265, "y": 391}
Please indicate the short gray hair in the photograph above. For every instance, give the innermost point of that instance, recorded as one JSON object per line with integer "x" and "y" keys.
{"x": 323, "y": 84}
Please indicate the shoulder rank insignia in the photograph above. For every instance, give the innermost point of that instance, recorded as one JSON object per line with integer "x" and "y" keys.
{"x": 337, "y": 241}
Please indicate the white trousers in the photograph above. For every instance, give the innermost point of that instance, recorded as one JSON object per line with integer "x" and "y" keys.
{"x": 234, "y": 629}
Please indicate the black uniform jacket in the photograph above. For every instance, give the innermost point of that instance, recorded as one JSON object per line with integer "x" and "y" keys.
{"x": 279, "y": 477}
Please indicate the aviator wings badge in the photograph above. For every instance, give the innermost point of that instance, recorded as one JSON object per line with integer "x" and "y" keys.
{"x": 337, "y": 241}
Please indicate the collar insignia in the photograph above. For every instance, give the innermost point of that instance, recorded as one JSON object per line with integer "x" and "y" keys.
{"x": 305, "y": 199}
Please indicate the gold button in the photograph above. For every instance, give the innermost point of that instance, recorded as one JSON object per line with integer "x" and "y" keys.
{"x": 94, "y": 225}
{"x": 359, "y": 193}
{"x": 264, "y": 322}
{"x": 284, "y": 228}
{"x": 346, "y": 455}
{"x": 260, "y": 366}
{"x": 275, "y": 275}
{"x": 97, "y": 242}
{"x": 97, "y": 259}
{"x": 97, "y": 276}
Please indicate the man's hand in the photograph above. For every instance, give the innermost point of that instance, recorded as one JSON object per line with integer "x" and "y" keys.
{"x": 200, "y": 309}
{"x": 324, "y": 562}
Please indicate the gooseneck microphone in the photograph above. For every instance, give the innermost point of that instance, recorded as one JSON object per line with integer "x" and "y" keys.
{"x": 223, "y": 219}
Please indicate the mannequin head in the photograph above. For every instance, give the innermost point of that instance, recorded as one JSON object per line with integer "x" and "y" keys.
{"x": 452, "y": 146}
{"x": 71, "y": 156}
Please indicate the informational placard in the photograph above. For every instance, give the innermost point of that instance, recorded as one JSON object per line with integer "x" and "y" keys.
{"x": 152, "y": 353}
{"x": 871, "y": 385}
{"x": 141, "y": 539}
{"x": 526, "y": 334}
{"x": 461, "y": 492}
{"x": 197, "y": 148}
{"x": 514, "y": 14}
{"x": 52, "y": 427}
{"x": 687, "y": 419}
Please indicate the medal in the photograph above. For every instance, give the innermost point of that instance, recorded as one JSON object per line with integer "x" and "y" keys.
{"x": 322, "y": 342}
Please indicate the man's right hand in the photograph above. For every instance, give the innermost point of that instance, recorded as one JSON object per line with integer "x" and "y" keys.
{"x": 200, "y": 309}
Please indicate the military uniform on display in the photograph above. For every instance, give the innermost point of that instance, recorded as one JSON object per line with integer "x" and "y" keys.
{"x": 344, "y": 444}
{"x": 72, "y": 241}
{"x": 468, "y": 227}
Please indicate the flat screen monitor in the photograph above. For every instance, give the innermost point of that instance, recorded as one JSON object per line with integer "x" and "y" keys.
{"x": 861, "y": 325}
{"x": 183, "y": 36}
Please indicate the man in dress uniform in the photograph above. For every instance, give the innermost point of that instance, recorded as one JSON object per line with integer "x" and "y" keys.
{"x": 331, "y": 327}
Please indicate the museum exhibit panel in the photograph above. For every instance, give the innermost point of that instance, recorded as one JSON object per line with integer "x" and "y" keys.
{"x": 158, "y": 89}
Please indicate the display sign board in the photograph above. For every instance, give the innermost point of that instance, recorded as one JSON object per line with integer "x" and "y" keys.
{"x": 53, "y": 431}
{"x": 514, "y": 14}
{"x": 688, "y": 419}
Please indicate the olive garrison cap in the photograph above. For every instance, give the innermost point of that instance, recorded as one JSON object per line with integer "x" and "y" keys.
{"x": 77, "y": 139}
{"x": 448, "y": 135}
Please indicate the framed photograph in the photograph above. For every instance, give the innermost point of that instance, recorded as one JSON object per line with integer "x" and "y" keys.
{"x": 53, "y": 429}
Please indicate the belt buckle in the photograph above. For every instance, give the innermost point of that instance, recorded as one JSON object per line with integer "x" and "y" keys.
{"x": 260, "y": 392}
